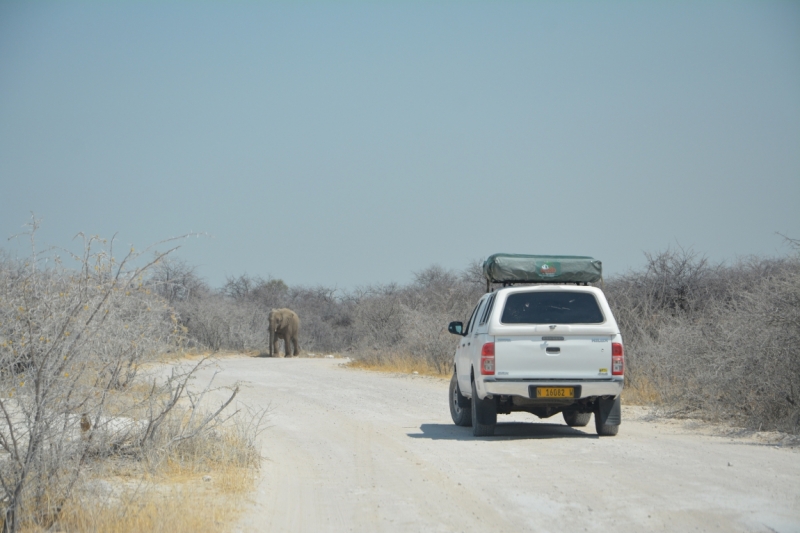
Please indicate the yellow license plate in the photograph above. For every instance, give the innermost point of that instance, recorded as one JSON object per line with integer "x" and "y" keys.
{"x": 555, "y": 392}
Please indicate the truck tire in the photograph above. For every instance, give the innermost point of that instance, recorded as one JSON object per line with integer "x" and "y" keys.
{"x": 607, "y": 417}
{"x": 605, "y": 430}
{"x": 484, "y": 415}
{"x": 460, "y": 405}
{"x": 575, "y": 419}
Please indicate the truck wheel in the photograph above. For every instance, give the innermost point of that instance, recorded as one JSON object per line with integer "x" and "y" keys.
{"x": 607, "y": 417}
{"x": 484, "y": 415}
{"x": 605, "y": 430}
{"x": 575, "y": 419}
{"x": 460, "y": 406}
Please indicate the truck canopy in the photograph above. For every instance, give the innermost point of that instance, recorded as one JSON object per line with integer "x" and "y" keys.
{"x": 517, "y": 268}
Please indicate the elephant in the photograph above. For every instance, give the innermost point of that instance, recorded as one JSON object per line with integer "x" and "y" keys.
{"x": 283, "y": 324}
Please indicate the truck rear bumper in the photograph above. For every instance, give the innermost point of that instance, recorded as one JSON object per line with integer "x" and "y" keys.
{"x": 522, "y": 387}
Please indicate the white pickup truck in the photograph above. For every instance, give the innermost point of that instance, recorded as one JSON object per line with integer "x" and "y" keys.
{"x": 545, "y": 348}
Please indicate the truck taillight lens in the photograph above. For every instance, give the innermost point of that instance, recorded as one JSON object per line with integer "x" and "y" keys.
{"x": 487, "y": 359}
{"x": 617, "y": 359}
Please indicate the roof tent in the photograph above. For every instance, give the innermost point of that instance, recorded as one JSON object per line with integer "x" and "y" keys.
{"x": 517, "y": 268}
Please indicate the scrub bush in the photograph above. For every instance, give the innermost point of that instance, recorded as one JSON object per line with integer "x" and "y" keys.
{"x": 713, "y": 341}
{"x": 72, "y": 345}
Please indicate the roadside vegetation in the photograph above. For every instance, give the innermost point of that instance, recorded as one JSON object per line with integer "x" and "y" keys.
{"x": 714, "y": 342}
{"x": 93, "y": 434}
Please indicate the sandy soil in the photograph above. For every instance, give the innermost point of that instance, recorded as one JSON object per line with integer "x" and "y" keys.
{"x": 351, "y": 450}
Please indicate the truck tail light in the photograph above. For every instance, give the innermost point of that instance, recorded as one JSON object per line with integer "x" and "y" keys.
{"x": 617, "y": 359}
{"x": 487, "y": 359}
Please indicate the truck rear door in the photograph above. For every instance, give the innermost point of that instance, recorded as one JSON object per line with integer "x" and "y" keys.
{"x": 553, "y": 335}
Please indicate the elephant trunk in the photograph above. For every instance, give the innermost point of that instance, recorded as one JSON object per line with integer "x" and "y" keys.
{"x": 271, "y": 342}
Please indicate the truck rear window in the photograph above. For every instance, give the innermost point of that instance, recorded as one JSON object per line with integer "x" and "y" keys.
{"x": 551, "y": 308}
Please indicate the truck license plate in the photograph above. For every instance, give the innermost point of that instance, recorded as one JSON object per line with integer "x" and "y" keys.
{"x": 555, "y": 392}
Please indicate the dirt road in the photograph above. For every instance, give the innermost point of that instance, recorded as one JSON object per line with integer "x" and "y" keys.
{"x": 350, "y": 450}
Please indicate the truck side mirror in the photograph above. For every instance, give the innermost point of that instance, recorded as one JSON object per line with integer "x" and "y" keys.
{"x": 456, "y": 328}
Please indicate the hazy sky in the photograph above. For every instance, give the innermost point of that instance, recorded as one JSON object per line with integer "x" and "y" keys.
{"x": 356, "y": 142}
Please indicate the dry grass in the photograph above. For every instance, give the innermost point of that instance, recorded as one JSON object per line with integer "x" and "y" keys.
{"x": 397, "y": 362}
{"x": 641, "y": 392}
{"x": 194, "y": 354}
{"x": 195, "y": 485}
{"x": 190, "y": 354}
{"x": 200, "y": 487}
{"x": 175, "y": 503}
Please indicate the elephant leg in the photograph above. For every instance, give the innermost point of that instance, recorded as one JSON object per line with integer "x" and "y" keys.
{"x": 296, "y": 347}
{"x": 276, "y": 346}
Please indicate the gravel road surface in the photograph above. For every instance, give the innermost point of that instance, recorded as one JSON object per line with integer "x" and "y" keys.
{"x": 351, "y": 450}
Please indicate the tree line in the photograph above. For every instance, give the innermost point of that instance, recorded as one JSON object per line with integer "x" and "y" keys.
{"x": 716, "y": 341}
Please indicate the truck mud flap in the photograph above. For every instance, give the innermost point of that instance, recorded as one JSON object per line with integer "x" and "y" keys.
{"x": 609, "y": 411}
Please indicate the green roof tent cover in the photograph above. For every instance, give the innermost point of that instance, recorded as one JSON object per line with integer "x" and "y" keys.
{"x": 516, "y": 268}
